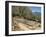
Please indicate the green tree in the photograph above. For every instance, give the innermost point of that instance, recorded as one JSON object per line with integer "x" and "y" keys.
{"x": 22, "y": 11}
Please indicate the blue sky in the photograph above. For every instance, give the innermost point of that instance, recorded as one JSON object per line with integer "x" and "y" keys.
{"x": 36, "y": 9}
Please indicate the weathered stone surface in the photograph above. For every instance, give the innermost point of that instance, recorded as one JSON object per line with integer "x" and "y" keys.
{"x": 20, "y": 24}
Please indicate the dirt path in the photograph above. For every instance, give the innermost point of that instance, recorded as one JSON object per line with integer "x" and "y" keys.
{"x": 23, "y": 25}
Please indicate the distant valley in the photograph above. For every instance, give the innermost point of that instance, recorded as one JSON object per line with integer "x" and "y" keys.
{"x": 36, "y": 13}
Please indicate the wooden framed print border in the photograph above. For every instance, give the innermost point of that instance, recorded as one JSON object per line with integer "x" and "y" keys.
{"x": 24, "y": 18}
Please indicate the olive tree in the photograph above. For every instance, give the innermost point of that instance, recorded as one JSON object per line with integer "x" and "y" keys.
{"x": 22, "y": 11}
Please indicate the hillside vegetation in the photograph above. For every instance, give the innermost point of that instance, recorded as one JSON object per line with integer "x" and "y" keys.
{"x": 22, "y": 17}
{"x": 23, "y": 11}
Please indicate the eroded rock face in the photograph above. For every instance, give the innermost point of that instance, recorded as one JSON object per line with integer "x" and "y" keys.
{"x": 20, "y": 24}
